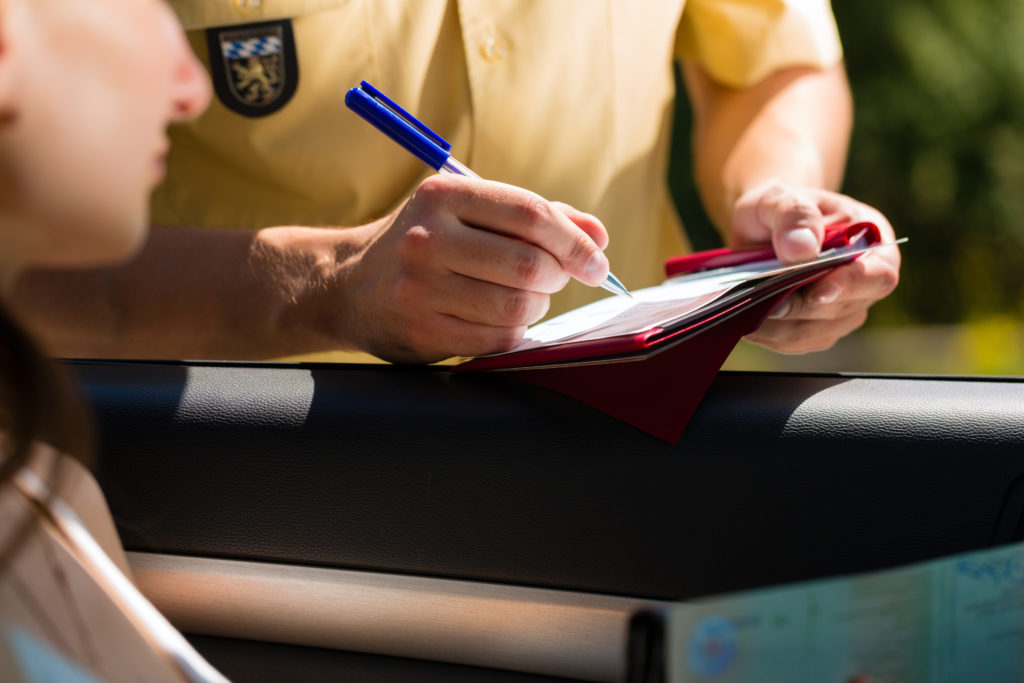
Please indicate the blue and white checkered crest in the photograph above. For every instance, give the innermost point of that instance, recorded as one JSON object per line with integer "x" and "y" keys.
{"x": 252, "y": 47}
{"x": 257, "y": 73}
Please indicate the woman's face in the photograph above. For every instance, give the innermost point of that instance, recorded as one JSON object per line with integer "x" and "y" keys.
{"x": 87, "y": 89}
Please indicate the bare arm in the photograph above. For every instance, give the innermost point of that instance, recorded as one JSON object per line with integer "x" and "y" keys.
{"x": 768, "y": 159}
{"x": 192, "y": 293}
{"x": 461, "y": 268}
{"x": 791, "y": 128}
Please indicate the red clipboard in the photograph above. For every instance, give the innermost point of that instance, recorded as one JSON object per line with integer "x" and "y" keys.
{"x": 836, "y": 236}
{"x": 655, "y": 379}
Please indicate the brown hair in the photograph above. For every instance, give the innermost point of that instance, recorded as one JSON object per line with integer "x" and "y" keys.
{"x": 37, "y": 402}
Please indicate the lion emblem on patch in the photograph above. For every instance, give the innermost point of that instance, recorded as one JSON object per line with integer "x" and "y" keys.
{"x": 257, "y": 73}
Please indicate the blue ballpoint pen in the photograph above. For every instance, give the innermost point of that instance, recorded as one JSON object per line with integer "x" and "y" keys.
{"x": 423, "y": 143}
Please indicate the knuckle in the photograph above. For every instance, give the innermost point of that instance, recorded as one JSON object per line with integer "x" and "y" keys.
{"x": 516, "y": 309}
{"x": 526, "y": 308}
{"x": 415, "y": 243}
{"x": 581, "y": 248}
{"x": 434, "y": 188}
{"x": 528, "y": 267}
{"x": 794, "y": 209}
{"x": 535, "y": 212}
{"x": 889, "y": 278}
{"x": 771, "y": 194}
{"x": 772, "y": 191}
{"x": 792, "y": 307}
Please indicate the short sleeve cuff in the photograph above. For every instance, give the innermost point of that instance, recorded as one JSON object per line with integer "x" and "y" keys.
{"x": 740, "y": 42}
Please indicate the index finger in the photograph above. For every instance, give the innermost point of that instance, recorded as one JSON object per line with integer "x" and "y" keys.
{"x": 519, "y": 213}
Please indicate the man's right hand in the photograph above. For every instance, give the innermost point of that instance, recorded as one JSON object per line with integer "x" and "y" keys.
{"x": 462, "y": 268}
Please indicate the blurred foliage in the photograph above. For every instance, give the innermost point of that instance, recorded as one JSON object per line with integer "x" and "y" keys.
{"x": 938, "y": 146}
{"x": 989, "y": 346}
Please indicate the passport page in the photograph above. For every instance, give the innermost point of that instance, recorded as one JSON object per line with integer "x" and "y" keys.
{"x": 954, "y": 619}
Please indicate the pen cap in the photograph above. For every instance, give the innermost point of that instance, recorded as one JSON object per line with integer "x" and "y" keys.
{"x": 398, "y": 125}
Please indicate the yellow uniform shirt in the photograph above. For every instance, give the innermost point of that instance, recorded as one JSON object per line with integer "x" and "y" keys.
{"x": 569, "y": 98}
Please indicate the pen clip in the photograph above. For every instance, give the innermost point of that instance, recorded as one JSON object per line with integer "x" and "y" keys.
{"x": 398, "y": 124}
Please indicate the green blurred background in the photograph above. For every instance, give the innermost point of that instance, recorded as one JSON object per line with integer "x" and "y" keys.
{"x": 938, "y": 146}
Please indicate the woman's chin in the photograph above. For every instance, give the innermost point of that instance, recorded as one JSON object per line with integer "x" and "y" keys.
{"x": 97, "y": 249}
{"x": 120, "y": 251}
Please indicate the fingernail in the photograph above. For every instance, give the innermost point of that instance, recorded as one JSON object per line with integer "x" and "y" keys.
{"x": 596, "y": 269}
{"x": 799, "y": 244}
{"x": 825, "y": 294}
{"x": 781, "y": 310}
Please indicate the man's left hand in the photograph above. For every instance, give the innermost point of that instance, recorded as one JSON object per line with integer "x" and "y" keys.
{"x": 793, "y": 219}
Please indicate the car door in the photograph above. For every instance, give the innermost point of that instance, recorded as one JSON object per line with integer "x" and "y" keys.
{"x": 319, "y": 522}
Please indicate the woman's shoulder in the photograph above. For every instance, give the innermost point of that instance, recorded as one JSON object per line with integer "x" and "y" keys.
{"x": 74, "y": 484}
{"x": 57, "y": 612}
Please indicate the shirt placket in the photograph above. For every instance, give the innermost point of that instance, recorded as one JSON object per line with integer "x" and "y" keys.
{"x": 487, "y": 51}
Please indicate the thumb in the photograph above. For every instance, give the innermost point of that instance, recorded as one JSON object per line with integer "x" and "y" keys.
{"x": 789, "y": 218}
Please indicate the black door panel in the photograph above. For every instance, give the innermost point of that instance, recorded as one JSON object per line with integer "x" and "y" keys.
{"x": 777, "y": 478}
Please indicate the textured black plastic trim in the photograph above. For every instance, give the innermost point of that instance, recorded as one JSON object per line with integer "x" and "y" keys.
{"x": 777, "y": 478}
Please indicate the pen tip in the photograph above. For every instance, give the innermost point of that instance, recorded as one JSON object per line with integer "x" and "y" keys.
{"x": 617, "y": 286}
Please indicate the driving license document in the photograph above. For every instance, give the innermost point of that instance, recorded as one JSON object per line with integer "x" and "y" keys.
{"x": 954, "y": 619}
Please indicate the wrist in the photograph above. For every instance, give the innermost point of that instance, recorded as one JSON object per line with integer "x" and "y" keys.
{"x": 307, "y": 273}
{"x": 805, "y": 172}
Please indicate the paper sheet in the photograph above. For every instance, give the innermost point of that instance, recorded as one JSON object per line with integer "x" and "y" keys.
{"x": 665, "y": 304}
{"x": 620, "y": 315}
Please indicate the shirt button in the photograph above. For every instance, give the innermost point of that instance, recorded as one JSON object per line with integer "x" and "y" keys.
{"x": 494, "y": 48}
{"x": 247, "y": 7}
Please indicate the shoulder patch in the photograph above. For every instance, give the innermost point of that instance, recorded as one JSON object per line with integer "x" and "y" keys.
{"x": 253, "y": 67}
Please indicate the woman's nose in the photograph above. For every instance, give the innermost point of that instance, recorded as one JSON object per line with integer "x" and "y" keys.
{"x": 191, "y": 93}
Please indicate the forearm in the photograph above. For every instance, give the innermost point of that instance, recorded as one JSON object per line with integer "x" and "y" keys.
{"x": 460, "y": 268}
{"x": 199, "y": 293}
{"x": 793, "y": 127}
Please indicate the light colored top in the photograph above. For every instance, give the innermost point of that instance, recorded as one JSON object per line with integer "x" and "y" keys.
{"x": 571, "y": 98}
{"x": 68, "y": 610}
